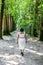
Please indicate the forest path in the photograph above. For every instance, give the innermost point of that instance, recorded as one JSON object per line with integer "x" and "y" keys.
{"x": 10, "y": 54}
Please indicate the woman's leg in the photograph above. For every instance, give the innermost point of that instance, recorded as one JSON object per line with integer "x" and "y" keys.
{"x": 22, "y": 52}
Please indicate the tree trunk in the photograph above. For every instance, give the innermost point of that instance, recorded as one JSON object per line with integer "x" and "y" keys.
{"x": 6, "y": 25}
{"x": 2, "y": 10}
{"x": 10, "y": 23}
{"x": 14, "y": 26}
{"x": 41, "y": 31}
{"x": 35, "y": 18}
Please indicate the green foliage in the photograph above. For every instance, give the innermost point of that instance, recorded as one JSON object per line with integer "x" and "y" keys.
{"x": 0, "y": 5}
{"x": 23, "y": 14}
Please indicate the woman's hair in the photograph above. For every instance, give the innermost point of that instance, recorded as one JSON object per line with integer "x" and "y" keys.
{"x": 21, "y": 29}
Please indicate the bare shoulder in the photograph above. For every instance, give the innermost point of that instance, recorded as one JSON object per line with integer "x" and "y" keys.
{"x": 24, "y": 33}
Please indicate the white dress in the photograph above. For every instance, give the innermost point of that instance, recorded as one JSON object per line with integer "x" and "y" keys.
{"x": 21, "y": 41}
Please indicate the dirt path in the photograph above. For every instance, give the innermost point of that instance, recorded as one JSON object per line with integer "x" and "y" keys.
{"x": 10, "y": 54}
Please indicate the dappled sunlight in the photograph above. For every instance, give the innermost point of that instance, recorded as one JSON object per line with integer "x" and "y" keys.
{"x": 33, "y": 48}
{"x": 30, "y": 39}
{"x": 33, "y": 40}
{"x": 21, "y": 59}
{"x": 35, "y": 52}
{"x": 7, "y": 37}
{"x": 14, "y": 59}
{"x": 4, "y": 56}
{"x": 8, "y": 64}
{"x": 13, "y": 62}
{"x": 39, "y": 42}
{"x": 11, "y": 46}
{"x": 19, "y": 56}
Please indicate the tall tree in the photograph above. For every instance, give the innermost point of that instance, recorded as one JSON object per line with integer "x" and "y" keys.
{"x": 40, "y": 8}
{"x": 6, "y": 25}
{"x": 2, "y": 10}
{"x": 41, "y": 30}
{"x": 35, "y": 18}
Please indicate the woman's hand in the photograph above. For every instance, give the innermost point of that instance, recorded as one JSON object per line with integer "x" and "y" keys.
{"x": 17, "y": 42}
{"x": 26, "y": 41}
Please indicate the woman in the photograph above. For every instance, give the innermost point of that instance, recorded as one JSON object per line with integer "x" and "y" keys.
{"x": 21, "y": 40}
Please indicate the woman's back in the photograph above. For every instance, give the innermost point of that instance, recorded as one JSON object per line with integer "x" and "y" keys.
{"x": 21, "y": 35}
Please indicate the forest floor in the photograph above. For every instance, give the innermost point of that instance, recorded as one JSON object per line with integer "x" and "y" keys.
{"x": 10, "y": 53}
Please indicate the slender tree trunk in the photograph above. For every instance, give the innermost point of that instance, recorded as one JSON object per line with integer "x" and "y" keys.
{"x": 14, "y": 25}
{"x": 2, "y": 10}
{"x": 41, "y": 31}
{"x": 6, "y": 25}
{"x": 35, "y": 18}
{"x": 10, "y": 23}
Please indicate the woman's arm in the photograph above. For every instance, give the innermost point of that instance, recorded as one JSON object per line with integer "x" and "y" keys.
{"x": 17, "y": 38}
{"x": 26, "y": 38}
